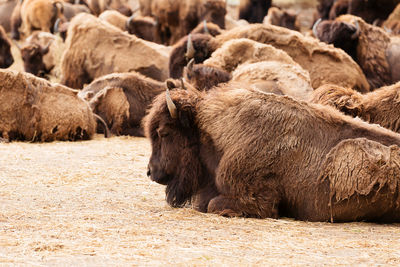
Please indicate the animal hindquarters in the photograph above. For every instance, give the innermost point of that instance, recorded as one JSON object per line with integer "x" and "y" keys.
{"x": 364, "y": 180}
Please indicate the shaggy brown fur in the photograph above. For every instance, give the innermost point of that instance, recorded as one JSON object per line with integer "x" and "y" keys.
{"x": 381, "y": 106}
{"x": 340, "y": 7}
{"x": 324, "y": 7}
{"x": 282, "y": 18}
{"x": 41, "y": 54}
{"x": 121, "y": 99}
{"x": 275, "y": 77}
{"x": 207, "y": 28}
{"x": 144, "y": 27}
{"x": 87, "y": 56}
{"x": 205, "y": 77}
{"x": 253, "y": 11}
{"x": 115, "y": 18}
{"x": 203, "y": 44}
{"x": 71, "y": 10}
{"x": 178, "y": 18}
{"x": 372, "y": 11}
{"x": 392, "y": 24}
{"x": 6, "y": 9}
{"x": 33, "y": 109}
{"x": 99, "y": 6}
{"x": 324, "y": 63}
{"x": 6, "y": 58}
{"x": 16, "y": 21}
{"x": 373, "y": 49}
{"x": 40, "y": 15}
{"x": 239, "y": 152}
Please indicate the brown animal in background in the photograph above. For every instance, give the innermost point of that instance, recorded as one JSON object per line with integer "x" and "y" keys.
{"x": 144, "y": 27}
{"x": 205, "y": 77}
{"x": 115, "y": 18}
{"x": 282, "y": 18}
{"x": 16, "y": 21}
{"x": 207, "y": 28}
{"x": 33, "y": 109}
{"x": 392, "y": 24}
{"x": 381, "y": 106}
{"x": 371, "y": 47}
{"x": 121, "y": 99}
{"x": 71, "y": 10}
{"x": 85, "y": 58}
{"x": 178, "y": 18}
{"x": 6, "y": 58}
{"x": 99, "y": 6}
{"x": 324, "y": 7}
{"x": 6, "y": 10}
{"x": 340, "y": 7}
{"x": 238, "y": 152}
{"x": 254, "y": 11}
{"x": 325, "y": 63}
{"x": 42, "y": 53}
{"x": 40, "y": 15}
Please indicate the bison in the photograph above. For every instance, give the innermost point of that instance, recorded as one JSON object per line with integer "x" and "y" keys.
{"x": 178, "y": 18}
{"x": 33, "y": 109}
{"x": 392, "y": 24}
{"x": 370, "y": 46}
{"x": 40, "y": 15}
{"x": 87, "y": 57}
{"x": 239, "y": 152}
{"x": 6, "y": 10}
{"x": 121, "y": 99}
{"x": 283, "y": 18}
{"x": 42, "y": 53}
{"x": 6, "y": 58}
{"x": 380, "y": 106}
{"x": 254, "y": 11}
{"x": 325, "y": 63}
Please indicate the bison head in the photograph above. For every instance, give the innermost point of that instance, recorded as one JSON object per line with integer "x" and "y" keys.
{"x": 341, "y": 34}
{"x": 214, "y": 11}
{"x": 170, "y": 125}
{"x": 32, "y": 56}
{"x": 197, "y": 46}
{"x": 6, "y": 58}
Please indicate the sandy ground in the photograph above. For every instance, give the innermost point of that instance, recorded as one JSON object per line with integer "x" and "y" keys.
{"x": 90, "y": 204}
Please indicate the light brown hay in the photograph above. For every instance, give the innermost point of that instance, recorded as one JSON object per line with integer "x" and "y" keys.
{"x": 90, "y": 203}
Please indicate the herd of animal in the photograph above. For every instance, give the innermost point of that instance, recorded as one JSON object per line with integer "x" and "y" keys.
{"x": 259, "y": 116}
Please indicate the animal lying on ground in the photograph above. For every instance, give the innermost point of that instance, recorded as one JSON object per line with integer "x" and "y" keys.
{"x": 371, "y": 47}
{"x": 240, "y": 152}
{"x": 33, "y": 109}
{"x": 324, "y": 63}
{"x": 86, "y": 58}
{"x": 381, "y": 106}
{"x": 121, "y": 99}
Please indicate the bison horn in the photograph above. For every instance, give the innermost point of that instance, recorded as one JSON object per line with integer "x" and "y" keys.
{"x": 183, "y": 84}
{"x": 171, "y": 106}
{"x": 357, "y": 33}
{"x": 205, "y": 27}
{"x": 314, "y": 28}
{"x": 190, "y": 64}
{"x": 56, "y": 25}
{"x": 190, "y": 51}
{"x": 105, "y": 126}
{"x": 129, "y": 21}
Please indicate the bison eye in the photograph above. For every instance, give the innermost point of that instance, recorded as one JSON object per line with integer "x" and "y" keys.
{"x": 162, "y": 133}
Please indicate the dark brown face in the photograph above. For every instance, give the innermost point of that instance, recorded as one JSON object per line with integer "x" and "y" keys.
{"x": 340, "y": 34}
{"x": 215, "y": 13}
{"x": 6, "y": 58}
{"x": 174, "y": 161}
{"x": 32, "y": 56}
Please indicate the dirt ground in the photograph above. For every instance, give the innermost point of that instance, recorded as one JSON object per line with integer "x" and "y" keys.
{"x": 90, "y": 204}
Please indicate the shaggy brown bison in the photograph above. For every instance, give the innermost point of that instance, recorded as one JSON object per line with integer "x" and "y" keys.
{"x": 87, "y": 56}
{"x": 381, "y": 106}
{"x": 41, "y": 54}
{"x": 371, "y": 47}
{"x": 40, "y": 15}
{"x": 178, "y": 18}
{"x": 392, "y": 24}
{"x": 325, "y": 63}
{"x": 283, "y": 18}
{"x": 254, "y": 11}
{"x": 6, "y": 58}
{"x": 33, "y": 109}
{"x": 99, "y": 6}
{"x": 121, "y": 99}
{"x": 238, "y": 152}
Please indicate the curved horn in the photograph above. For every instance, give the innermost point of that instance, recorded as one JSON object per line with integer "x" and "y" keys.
{"x": 128, "y": 22}
{"x": 205, "y": 27}
{"x": 171, "y": 106}
{"x": 190, "y": 64}
{"x": 357, "y": 33}
{"x": 56, "y": 25}
{"x": 183, "y": 84}
{"x": 190, "y": 51}
{"x": 106, "y": 129}
{"x": 314, "y": 28}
